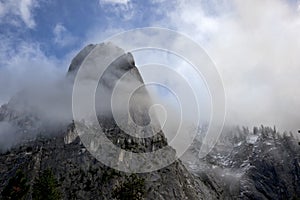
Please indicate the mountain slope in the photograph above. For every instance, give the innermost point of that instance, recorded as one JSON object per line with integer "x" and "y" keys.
{"x": 78, "y": 173}
{"x": 262, "y": 164}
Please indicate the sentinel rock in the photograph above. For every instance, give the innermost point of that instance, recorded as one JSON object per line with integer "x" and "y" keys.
{"x": 79, "y": 174}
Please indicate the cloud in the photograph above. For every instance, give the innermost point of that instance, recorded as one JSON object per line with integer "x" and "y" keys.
{"x": 62, "y": 36}
{"x": 123, "y": 9}
{"x": 25, "y": 65}
{"x": 14, "y": 12}
{"x": 114, "y": 1}
{"x": 25, "y": 12}
{"x": 158, "y": 1}
{"x": 255, "y": 46}
{"x": 8, "y": 135}
{"x": 32, "y": 83}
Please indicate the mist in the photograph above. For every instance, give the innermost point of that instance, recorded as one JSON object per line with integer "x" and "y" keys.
{"x": 8, "y": 135}
{"x": 35, "y": 96}
{"x": 255, "y": 46}
{"x": 36, "y": 93}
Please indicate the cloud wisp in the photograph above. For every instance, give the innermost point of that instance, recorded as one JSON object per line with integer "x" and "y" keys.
{"x": 35, "y": 94}
{"x": 22, "y": 9}
{"x": 62, "y": 36}
{"x": 114, "y": 1}
{"x": 123, "y": 9}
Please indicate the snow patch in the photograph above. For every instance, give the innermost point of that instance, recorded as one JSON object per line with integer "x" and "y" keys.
{"x": 251, "y": 139}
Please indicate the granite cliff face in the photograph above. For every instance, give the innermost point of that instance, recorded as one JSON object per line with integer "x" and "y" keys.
{"x": 78, "y": 173}
{"x": 81, "y": 176}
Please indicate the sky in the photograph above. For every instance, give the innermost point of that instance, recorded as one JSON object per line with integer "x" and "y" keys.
{"x": 254, "y": 44}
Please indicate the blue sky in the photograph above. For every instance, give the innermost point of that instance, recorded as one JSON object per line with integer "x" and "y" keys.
{"x": 61, "y": 26}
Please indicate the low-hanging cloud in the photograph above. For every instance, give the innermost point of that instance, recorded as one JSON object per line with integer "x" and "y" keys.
{"x": 36, "y": 94}
{"x": 255, "y": 46}
{"x": 25, "y": 67}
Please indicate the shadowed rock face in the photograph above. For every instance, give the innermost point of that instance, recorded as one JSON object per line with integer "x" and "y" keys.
{"x": 122, "y": 72}
{"x": 79, "y": 174}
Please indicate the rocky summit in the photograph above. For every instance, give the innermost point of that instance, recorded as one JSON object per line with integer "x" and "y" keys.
{"x": 77, "y": 174}
{"x": 43, "y": 156}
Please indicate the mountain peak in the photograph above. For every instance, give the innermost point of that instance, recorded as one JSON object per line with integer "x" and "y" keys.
{"x": 106, "y": 49}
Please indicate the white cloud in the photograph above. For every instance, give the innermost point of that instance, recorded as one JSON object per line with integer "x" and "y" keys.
{"x": 26, "y": 66}
{"x": 123, "y": 9}
{"x": 114, "y": 1}
{"x": 2, "y": 10}
{"x": 25, "y": 12}
{"x": 255, "y": 45}
{"x": 22, "y": 9}
{"x": 33, "y": 83}
{"x": 62, "y": 36}
{"x": 158, "y": 1}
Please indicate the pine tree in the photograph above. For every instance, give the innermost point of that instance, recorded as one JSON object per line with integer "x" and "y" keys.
{"x": 16, "y": 188}
{"x": 46, "y": 187}
{"x": 132, "y": 189}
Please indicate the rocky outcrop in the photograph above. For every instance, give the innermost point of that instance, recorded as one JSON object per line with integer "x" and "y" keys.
{"x": 79, "y": 174}
{"x": 258, "y": 164}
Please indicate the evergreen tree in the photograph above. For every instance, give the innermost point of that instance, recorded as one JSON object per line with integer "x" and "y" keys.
{"x": 16, "y": 188}
{"x": 46, "y": 187}
{"x": 132, "y": 189}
